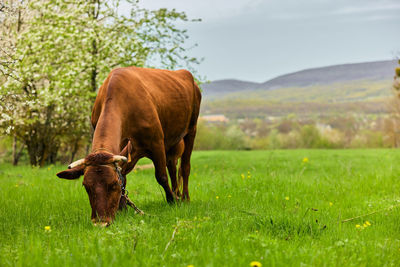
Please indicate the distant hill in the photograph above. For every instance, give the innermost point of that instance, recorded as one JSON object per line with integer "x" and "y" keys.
{"x": 379, "y": 70}
{"x": 359, "y": 88}
{"x": 223, "y": 87}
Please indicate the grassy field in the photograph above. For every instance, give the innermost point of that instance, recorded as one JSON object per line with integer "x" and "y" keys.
{"x": 274, "y": 207}
{"x": 360, "y": 90}
{"x": 361, "y": 96}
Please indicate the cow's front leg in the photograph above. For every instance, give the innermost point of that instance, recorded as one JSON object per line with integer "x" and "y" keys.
{"x": 160, "y": 162}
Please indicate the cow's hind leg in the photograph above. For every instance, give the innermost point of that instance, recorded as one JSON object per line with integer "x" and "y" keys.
{"x": 171, "y": 166}
{"x": 172, "y": 159}
{"x": 185, "y": 162}
{"x": 159, "y": 159}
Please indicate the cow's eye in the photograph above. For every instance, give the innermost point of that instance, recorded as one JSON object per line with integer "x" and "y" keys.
{"x": 113, "y": 186}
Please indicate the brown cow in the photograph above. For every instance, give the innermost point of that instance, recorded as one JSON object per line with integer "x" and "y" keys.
{"x": 138, "y": 113}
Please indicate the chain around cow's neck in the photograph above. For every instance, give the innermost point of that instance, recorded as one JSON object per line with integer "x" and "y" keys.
{"x": 121, "y": 178}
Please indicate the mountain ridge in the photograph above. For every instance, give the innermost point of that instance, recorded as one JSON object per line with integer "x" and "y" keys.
{"x": 373, "y": 70}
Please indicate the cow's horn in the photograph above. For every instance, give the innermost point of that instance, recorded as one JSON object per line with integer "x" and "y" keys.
{"x": 119, "y": 158}
{"x": 76, "y": 163}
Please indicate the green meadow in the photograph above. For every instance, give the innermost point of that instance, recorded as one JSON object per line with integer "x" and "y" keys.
{"x": 358, "y": 90}
{"x": 359, "y": 96}
{"x": 280, "y": 208}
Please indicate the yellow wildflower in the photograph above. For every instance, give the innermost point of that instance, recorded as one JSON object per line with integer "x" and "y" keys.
{"x": 255, "y": 264}
{"x": 330, "y": 204}
{"x": 229, "y": 196}
{"x": 242, "y": 176}
{"x": 16, "y": 185}
{"x": 286, "y": 198}
{"x": 358, "y": 226}
{"x": 366, "y": 224}
{"x": 47, "y": 228}
{"x": 190, "y": 265}
{"x": 305, "y": 160}
{"x": 217, "y": 197}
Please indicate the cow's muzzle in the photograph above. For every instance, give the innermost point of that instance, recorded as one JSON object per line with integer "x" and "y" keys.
{"x": 101, "y": 223}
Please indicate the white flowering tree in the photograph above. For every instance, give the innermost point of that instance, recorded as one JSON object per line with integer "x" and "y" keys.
{"x": 12, "y": 17}
{"x": 61, "y": 54}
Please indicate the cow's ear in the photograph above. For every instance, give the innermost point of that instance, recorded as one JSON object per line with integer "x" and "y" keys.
{"x": 126, "y": 152}
{"x": 72, "y": 174}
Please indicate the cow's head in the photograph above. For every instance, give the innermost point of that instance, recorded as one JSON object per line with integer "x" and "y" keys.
{"x": 101, "y": 183}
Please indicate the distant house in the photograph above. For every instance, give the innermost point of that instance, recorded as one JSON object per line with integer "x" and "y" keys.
{"x": 214, "y": 118}
{"x": 323, "y": 127}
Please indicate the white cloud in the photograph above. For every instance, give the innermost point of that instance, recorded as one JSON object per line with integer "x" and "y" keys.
{"x": 371, "y": 8}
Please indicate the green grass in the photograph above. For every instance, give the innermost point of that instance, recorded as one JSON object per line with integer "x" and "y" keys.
{"x": 279, "y": 214}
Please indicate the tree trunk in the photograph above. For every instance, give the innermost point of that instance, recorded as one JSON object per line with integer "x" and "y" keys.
{"x": 74, "y": 150}
{"x": 16, "y": 153}
{"x": 32, "y": 152}
{"x": 37, "y": 147}
{"x": 52, "y": 159}
{"x": 44, "y": 153}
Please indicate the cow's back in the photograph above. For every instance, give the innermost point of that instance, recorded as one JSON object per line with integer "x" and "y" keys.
{"x": 150, "y": 103}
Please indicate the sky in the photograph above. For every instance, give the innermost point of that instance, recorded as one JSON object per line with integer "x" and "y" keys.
{"x": 260, "y": 39}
